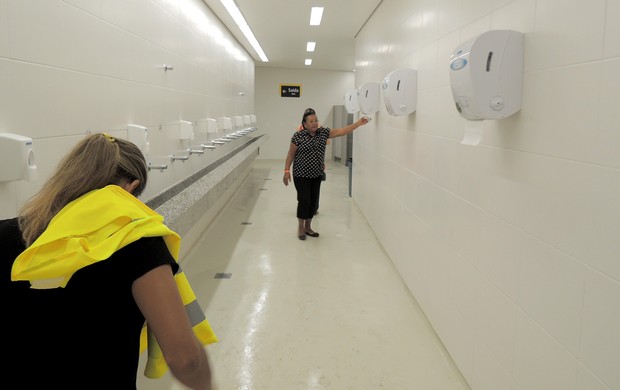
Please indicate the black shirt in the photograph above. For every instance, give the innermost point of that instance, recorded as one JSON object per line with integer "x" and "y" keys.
{"x": 86, "y": 335}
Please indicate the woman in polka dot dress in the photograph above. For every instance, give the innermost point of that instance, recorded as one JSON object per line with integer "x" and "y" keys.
{"x": 307, "y": 155}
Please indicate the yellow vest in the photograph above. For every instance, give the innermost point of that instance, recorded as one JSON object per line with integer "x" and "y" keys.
{"x": 90, "y": 229}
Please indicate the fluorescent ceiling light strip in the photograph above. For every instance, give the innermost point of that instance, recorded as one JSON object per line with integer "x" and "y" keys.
{"x": 235, "y": 13}
{"x": 310, "y": 46}
{"x": 252, "y": 39}
{"x": 315, "y": 16}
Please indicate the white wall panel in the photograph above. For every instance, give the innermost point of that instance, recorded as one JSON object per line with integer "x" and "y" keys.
{"x": 74, "y": 66}
{"x": 529, "y": 217}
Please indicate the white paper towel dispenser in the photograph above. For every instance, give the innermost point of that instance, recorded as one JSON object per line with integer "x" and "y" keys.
{"x": 350, "y": 101}
{"x": 17, "y": 160}
{"x": 486, "y": 75}
{"x": 368, "y": 98}
{"x": 400, "y": 90}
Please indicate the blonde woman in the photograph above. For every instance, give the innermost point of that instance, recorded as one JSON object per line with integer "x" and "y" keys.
{"x": 86, "y": 266}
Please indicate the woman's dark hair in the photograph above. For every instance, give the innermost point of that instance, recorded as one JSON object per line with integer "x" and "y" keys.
{"x": 307, "y": 112}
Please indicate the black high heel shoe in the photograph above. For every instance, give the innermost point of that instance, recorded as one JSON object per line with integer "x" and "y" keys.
{"x": 313, "y": 234}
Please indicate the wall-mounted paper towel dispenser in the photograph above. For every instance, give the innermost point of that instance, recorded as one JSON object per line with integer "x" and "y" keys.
{"x": 350, "y": 101}
{"x": 486, "y": 75}
{"x": 368, "y": 98}
{"x": 17, "y": 160}
{"x": 400, "y": 90}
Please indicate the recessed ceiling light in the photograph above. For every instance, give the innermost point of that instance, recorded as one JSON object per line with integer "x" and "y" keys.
{"x": 315, "y": 16}
{"x": 308, "y": 61}
{"x": 310, "y": 46}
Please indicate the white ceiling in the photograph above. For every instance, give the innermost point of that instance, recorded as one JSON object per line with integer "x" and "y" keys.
{"x": 282, "y": 27}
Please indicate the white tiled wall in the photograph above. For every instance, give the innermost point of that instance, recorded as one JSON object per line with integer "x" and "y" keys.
{"x": 511, "y": 247}
{"x": 67, "y": 67}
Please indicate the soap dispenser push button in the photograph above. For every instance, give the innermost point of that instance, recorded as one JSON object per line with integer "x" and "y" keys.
{"x": 497, "y": 103}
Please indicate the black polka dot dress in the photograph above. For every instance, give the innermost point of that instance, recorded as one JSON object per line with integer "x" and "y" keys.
{"x": 310, "y": 157}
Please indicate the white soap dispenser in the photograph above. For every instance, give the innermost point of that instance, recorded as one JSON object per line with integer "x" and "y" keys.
{"x": 400, "y": 91}
{"x": 139, "y": 136}
{"x": 17, "y": 160}
{"x": 179, "y": 130}
{"x": 225, "y": 123}
{"x": 237, "y": 122}
{"x": 247, "y": 122}
{"x": 206, "y": 125}
{"x": 486, "y": 75}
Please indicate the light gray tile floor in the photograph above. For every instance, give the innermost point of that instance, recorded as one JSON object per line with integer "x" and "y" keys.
{"x": 325, "y": 313}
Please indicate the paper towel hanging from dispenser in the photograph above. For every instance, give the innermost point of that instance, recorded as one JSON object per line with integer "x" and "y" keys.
{"x": 17, "y": 160}
{"x": 400, "y": 91}
{"x": 486, "y": 75}
{"x": 350, "y": 101}
{"x": 368, "y": 98}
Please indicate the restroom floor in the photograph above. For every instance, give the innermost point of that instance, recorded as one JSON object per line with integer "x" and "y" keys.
{"x": 325, "y": 313}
